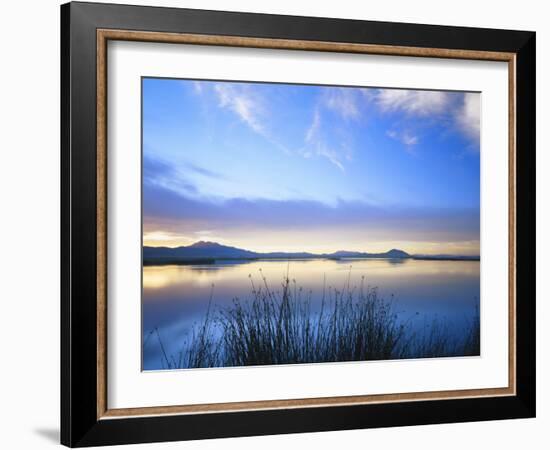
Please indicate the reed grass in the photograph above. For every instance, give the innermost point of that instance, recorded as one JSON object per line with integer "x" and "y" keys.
{"x": 283, "y": 326}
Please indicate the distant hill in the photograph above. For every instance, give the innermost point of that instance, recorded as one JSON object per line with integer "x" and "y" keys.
{"x": 210, "y": 251}
{"x": 201, "y": 249}
{"x": 393, "y": 254}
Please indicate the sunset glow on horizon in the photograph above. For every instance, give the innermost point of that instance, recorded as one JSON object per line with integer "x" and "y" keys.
{"x": 299, "y": 243}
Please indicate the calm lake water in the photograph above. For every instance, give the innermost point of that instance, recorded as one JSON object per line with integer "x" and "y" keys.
{"x": 176, "y": 297}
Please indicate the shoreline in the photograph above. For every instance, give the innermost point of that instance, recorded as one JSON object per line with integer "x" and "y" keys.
{"x": 213, "y": 261}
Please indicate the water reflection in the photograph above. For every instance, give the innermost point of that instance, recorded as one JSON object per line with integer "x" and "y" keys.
{"x": 176, "y": 297}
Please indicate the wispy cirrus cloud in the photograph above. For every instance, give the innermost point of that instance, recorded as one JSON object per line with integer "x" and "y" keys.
{"x": 313, "y": 130}
{"x": 247, "y": 103}
{"x": 327, "y": 135}
{"x": 244, "y": 103}
{"x": 405, "y": 137}
{"x": 460, "y": 111}
{"x": 198, "y": 87}
{"x": 421, "y": 103}
{"x": 317, "y": 144}
{"x": 343, "y": 101}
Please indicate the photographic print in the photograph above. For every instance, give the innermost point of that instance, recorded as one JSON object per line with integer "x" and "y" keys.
{"x": 299, "y": 224}
{"x": 294, "y": 214}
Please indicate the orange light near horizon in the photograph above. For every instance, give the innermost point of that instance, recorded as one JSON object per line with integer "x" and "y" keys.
{"x": 300, "y": 242}
{"x": 165, "y": 239}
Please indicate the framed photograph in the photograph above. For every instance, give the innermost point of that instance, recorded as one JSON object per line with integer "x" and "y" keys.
{"x": 276, "y": 224}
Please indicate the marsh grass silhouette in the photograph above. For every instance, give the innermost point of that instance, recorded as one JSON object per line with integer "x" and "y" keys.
{"x": 279, "y": 326}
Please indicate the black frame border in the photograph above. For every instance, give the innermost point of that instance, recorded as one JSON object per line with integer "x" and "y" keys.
{"x": 79, "y": 423}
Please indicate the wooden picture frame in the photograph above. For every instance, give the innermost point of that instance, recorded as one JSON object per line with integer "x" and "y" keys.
{"x": 86, "y": 418}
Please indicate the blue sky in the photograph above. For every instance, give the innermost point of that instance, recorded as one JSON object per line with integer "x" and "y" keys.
{"x": 272, "y": 167}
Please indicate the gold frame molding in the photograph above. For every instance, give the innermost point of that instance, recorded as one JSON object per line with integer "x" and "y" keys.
{"x": 103, "y": 36}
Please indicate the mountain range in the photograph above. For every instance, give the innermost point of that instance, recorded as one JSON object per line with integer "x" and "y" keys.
{"x": 210, "y": 251}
